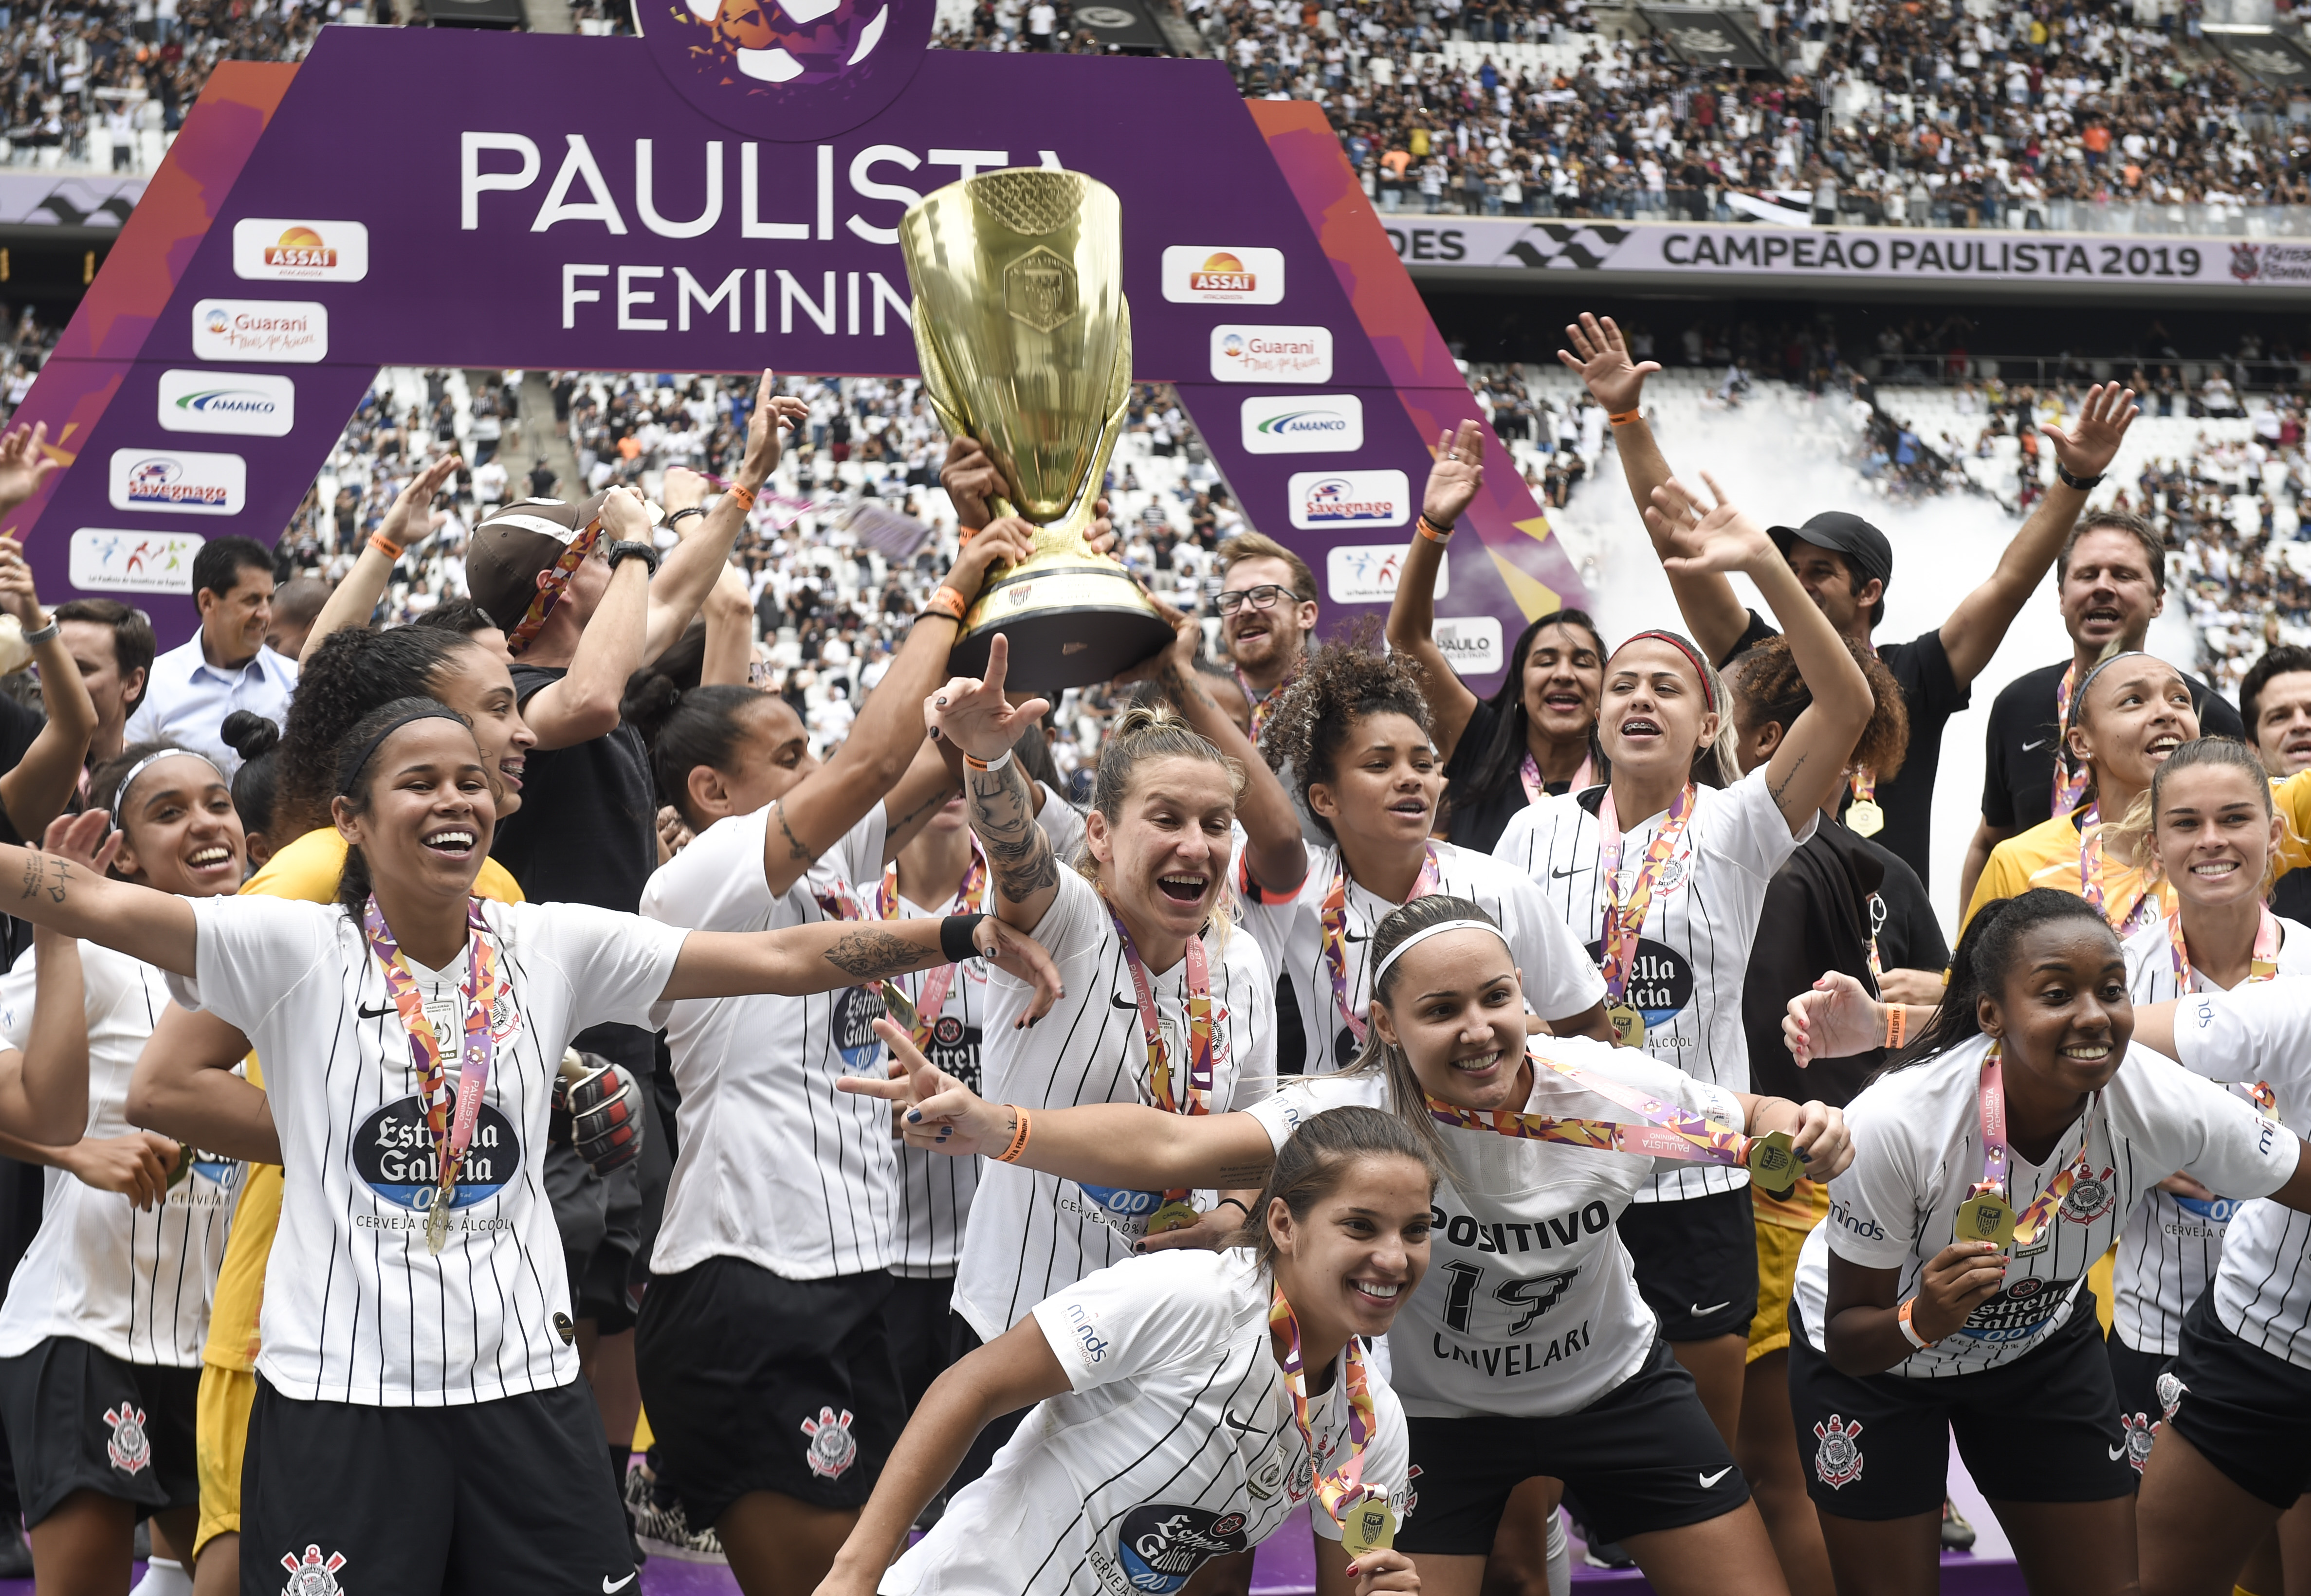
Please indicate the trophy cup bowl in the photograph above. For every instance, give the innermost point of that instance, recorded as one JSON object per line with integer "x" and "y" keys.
{"x": 1025, "y": 344}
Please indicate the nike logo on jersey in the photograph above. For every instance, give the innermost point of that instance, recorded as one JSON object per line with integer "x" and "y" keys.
{"x": 2117, "y": 1452}
{"x": 2033, "y": 747}
{"x": 1242, "y": 1426}
{"x": 1707, "y": 1480}
{"x": 377, "y": 1013}
{"x": 1120, "y": 1002}
{"x": 608, "y": 1587}
{"x": 1558, "y": 875}
{"x": 1697, "y": 1310}
{"x": 1356, "y": 936}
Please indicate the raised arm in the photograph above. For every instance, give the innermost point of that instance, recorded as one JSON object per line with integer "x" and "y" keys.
{"x": 1453, "y": 480}
{"x": 355, "y": 598}
{"x": 972, "y": 713}
{"x": 931, "y": 779}
{"x": 583, "y": 705}
{"x": 183, "y": 1086}
{"x": 693, "y": 566}
{"x": 58, "y": 890}
{"x": 729, "y": 654}
{"x": 1978, "y": 625}
{"x": 798, "y": 960}
{"x": 1273, "y": 848}
{"x": 816, "y": 813}
{"x": 1714, "y": 613}
{"x": 44, "y": 780}
{"x": 1810, "y": 765}
{"x": 44, "y": 1088}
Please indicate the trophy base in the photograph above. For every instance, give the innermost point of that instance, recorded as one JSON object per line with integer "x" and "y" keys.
{"x": 1071, "y": 622}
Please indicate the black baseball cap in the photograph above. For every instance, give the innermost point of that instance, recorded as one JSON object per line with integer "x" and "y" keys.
{"x": 1865, "y": 547}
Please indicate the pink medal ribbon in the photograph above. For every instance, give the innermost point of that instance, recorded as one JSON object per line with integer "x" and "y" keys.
{"x": 1990, "y": 1096}
{"x": 1535, "y": 789}
{"x": 1335, "y": 921}
{"x": 939, "y": 980}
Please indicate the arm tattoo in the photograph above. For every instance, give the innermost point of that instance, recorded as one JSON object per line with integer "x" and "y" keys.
{"x": 43, "y": 873}
{"x": 871, "y": 955}
{"x": 937, "y": 799}
{"x": 1002, "y": 813}
{"x": 802, "y": 854}
{"x": 1180, "y": 686}
{"x": 1796, "y": 764}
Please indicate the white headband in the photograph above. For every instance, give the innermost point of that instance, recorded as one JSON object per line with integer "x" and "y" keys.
{"x": 147, "y": 762}
{"x": 1439, "y": 929}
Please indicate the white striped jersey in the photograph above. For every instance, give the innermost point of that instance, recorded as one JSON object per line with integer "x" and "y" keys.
{"x": 1063, "y": 826}
{"x": 133, "y": 1282}
{"x": 1174, "y": 1444}
{"x": 777, "y": 1167}
{"x": 935, "y": 1190}
{"x": 1692, "y": 950}
{"x": 1560, "y": 980}
{"x": 1917, "y": 1154}
{"x": 1530, "y": 1306}
{"x": 357, "y": 1308}
{"x": 1032, "y": 1234}
{"x": 2167, "y": 1252}
{"x": 2262, "y": 1286}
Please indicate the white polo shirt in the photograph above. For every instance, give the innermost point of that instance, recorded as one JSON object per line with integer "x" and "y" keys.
{"x": 187, "y": 698}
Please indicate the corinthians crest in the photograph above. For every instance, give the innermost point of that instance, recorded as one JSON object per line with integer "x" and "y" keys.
{"x": 313, "y": 1574}
{"x": 1837, "y": 1461}
{"x": 128, "y": 1449}
{"x": 831, "y": 1450}
{"x": 2141, "y": 1430}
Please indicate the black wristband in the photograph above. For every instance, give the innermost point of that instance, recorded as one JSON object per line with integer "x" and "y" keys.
{"x": 673, "y": 519}
{"x": 1239, "y": 1201}
{"x": 956, "y": 933}
{"x": 2081, "y": 484}
{"x": 629, "y": 549}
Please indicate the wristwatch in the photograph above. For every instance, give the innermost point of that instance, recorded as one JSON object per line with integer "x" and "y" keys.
{"x": 2081, "y": 484}
{"x": 629, "y": 550}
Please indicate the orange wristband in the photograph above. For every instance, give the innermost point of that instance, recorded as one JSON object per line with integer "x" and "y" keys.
{"x": 946, "y": 602}
{"x": 1010, "y": 1155}
{"x": 963, "y": 534}
{"x": 1622, "y": 418}
{"x": 745, "y": 496}
{"x": 1910, "y": 1331}
{"x": 1431, "y": 532}
{"x": 1897, "y": 1025}
{"x": 385, "y": 545}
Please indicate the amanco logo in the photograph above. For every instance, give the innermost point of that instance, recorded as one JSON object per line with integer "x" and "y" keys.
{"x": 1303, "y": 424}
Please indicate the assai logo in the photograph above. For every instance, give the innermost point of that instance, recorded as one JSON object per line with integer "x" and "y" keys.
{"x": 1303, "y": 424}
{"x": 293, "y": 332}
{"x": 111, "y": 560}
{"x": 1661, "y": 983}
{"x": 1472, "y": 643}
{"x": 1366, "y": 573}
{"x": 251, "y": 405}
{"x": 1161, "y": 1546}
{"x": 1223, "y": 274}
{"x": 393, "y": 1155}
{"x": 1343, "y": 500}
{"x": 179, "y": 482}
{"x": 1270, "y": 354}
{"x": 283, "y": 248}
{"x": 804, "y": 68}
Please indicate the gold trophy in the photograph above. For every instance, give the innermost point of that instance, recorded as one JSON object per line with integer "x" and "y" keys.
{"x": 1025, "y": 344}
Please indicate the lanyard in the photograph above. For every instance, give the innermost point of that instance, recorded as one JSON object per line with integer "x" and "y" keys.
{"x": 1342, "y": 1487}
{"x": 1618, "y": 943}
{"x": 940, "y": 980}
{"x": 478, "y": 994}
{"x": 1668, "y": 1131}
{"x": 1263, "y": 705}
{"x": 1173, "y": 1096}
{"x": 1535, "y": 789}
{"x": 1335, "y": 921}
{"x": 2024, "y": 1227}
{"x": 2138, "y": 911}
{"x": 2070, "y": 786}
{"x": 837, "y": 904}
{"x": 2263, "y": 964}
{"x": 1863, "y": 817}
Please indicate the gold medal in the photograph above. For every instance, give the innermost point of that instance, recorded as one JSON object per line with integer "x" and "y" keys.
{"x": 1864, "y": 818}
{"x": 1369, "y": 1526}
{"x": 1772, "y": 1163}
{"x": 1986, "y": 1216}
{"x": 899, "y": 1008}
{"x": 1175, "y": 1215}
{"x": 1628, "y": 1025}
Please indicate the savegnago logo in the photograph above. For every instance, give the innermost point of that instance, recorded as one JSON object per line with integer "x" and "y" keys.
{"x": 282, "y": 246}
{"x": 1303, "y": 423}
{"x": 251, "y": 404}
{"x": 1223, "y": 274}
{"x": 179, "y": 482}
{"x": 1323, "y": 501}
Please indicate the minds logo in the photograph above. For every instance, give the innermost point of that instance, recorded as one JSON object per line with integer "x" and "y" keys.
{"x": 1161, "y": 1546}
{"x": 394, "y": 1155}
{"x": 791, "y": 69}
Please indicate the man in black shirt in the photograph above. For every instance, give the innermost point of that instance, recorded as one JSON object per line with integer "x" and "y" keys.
{"x": 2275, "y": 703}
{"x": 1845, "y": 563}
{"x": 2110, "y": 584}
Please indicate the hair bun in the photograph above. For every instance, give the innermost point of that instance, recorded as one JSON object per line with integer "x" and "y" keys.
{"x": 249, "y": 735}
{"x": 1154, "y": 716}
{"x": 651, "y": 697}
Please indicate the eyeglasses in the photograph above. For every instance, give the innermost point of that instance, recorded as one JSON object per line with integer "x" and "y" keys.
{"x": 1265, "y": 596}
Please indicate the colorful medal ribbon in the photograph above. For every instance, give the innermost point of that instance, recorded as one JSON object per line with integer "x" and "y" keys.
{"x": 1624, "y": 920}
{"x": 1335, "y": 920}
{"x": 939, "y": 981}
{"x": 1263, "y": 705}
{"x": 1344, "y": 1487}
{"x": 550, "y": 591}
{"x": 479, "y": 995}
{"x": 2126, "y": 918}
{"x": 1535, "y": 789}
{"x": 1863, "y": 817}
{"x": 2070, "y": 786}
{"x": 2263, "y": 965}
{"x": 1170, "y": 1094}
{"x": 1668, "y": 1131}
{"x": 1991, "y": 1098}
{"x": 837, "y": 904}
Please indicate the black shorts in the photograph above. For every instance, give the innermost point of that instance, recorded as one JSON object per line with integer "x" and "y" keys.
{"x": 495, "y": 1498}
{"x": 1643, "y": 1457}
{"x": 603, "y": 1219}
{"x": 926, "y": 1334}
{"x": 755, "y": 1383}
{"x": 79, "y": 1419}
{"x": 2243, "y": 1409}
{"x": 2043, "y": 1429}
{"x": 2144, "y": 1381}
{"x": 1696, "y": 1262}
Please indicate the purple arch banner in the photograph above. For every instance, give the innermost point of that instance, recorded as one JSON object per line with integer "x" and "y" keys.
{"x": 719, "y": 196}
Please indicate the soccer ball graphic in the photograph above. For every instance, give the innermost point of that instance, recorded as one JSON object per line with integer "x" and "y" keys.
{"x": 800, "y": 42}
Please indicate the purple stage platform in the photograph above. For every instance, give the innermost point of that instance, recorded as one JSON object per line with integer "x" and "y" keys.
{"x": 1286, "y": 1564}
